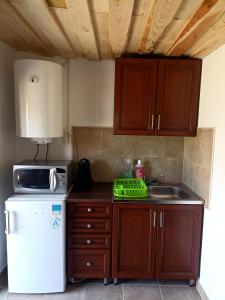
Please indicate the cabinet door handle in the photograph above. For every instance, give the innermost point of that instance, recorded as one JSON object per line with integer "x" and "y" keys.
{"x": 152, "y": 124}
{"x": 154, "y": 219}
{"x": 88, "y": 242}
{"x": 89, "y": 209}
{"x": 88, "y": 264}
{"x": 88, "y": 226}
{"x": 159, "y": 120}
{"x": 161, "y": 219}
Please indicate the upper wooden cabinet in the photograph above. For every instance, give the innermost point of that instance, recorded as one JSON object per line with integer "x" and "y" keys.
{"x": 135, "y": 96}
{"x": 157, "y": 96}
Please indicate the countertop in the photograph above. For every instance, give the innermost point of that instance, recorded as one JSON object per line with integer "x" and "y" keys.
{"x": 103, "y": 192}
{"x": 99, "y": 192}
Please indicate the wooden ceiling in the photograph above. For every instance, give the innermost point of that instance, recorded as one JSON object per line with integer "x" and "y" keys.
{"x": 102, "y": 29}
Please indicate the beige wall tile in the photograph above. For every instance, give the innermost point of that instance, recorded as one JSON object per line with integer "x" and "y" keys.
{"x": 198, "y": 154}
{"x": 145, "y": 146}
{"x": 197, "y": 178}
{"x": 114, "y": 146}
{"x": 109, "y": 169}
{"x": 107, "y": 152}
{"x": 153, "y": 167}
{"x": 179, "y": 159}
{"x": 174, "y": 147}
{"x": 172, "y": 170}
{"x": 199, "y": 149}
{"x": 87, "y": 143}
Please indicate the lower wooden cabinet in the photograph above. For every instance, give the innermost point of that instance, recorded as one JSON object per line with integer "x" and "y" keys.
{"x": 148, "y": 241}
{"x": 156, "y": 241}
{"x": 89, "y": 240}
{"x": 134, "y": 241}
{"x": 178, "y": 241}
{"x": 89, "y": 264}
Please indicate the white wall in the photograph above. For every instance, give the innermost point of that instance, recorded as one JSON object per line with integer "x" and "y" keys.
{"x": 7, "y": 137}
{"x": 212, "y": 114}
{"x": 91, "y": 93}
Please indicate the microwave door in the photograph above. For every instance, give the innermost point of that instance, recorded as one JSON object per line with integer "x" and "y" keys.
{"x": 32, "y": 180}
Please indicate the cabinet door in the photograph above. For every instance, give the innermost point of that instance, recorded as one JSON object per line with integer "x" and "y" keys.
{"x": 179, "y": 240}
{"x": 135, "y": 96}
{"x": 178, "y": 97}
{"x": 134, "y": 241}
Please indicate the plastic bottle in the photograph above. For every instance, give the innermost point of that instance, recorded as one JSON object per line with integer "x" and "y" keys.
{"x": 139, "y": 170}
{"x": 129, "y": 169}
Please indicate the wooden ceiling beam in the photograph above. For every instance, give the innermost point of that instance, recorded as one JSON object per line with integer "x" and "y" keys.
{"x": 100, "y": 17}
{"x": 65, "y": 20}
{"x": 177, "y": 25}
{"x": 162, "y": 14}
{"x": 212, "y": 39}
{"x": 103, "y": 29}
{"x": 19, "y": 32}
{"x": 45, "y": 25}
{"x": 83, "y": 23}
{"x": 141, "y": 13}
{"x": 205, "y": 16}
{"x": 120, "y": 13}
{"x": 101, "y": 6}
{"x": 57, "y": 3}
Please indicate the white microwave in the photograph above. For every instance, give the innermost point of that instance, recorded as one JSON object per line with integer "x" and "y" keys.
{"x": 42, "y": 177}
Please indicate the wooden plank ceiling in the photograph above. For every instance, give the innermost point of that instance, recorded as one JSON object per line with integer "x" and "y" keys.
{"x": 102, "y": 29}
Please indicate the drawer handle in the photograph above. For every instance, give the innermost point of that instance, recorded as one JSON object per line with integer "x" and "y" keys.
{"x": 159, "y": 121}
{"x": 88, "y": 264}
{"x": 154, "y": 219}
{"x": 161, "y": 219}
{"x": 88, "y": 226}
{"x": 89, "y": 209}
{"x": 88, "y": 242}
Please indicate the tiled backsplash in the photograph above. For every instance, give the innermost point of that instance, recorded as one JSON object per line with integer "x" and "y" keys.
{"x": 198, "y": 162}
{"x": 106, "y": 152}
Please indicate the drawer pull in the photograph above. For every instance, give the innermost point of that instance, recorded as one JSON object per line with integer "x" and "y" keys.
{"x": 89, "y": 209}
{"x": 161, "y": 219}
{"x": 88, "y": 242}
{"x": 88, "y": 226}
{"x": 88, "y": 264}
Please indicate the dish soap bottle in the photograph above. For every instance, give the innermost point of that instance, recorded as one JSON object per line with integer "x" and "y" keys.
{"x": 139, "y": 170}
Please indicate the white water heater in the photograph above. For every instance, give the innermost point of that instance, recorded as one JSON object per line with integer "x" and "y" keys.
{"x": 39, "y": 99}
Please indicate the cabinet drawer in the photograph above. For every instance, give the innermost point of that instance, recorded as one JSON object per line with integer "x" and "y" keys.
{"x": 89, "y": 225}
{"x": 88, "y": 263}
{"x": 89, "y": 210}
{"x": 89, "y": 241}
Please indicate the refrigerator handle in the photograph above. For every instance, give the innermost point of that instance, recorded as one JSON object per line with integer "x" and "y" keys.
{"x": 52, "y": 179}
{"x": 7, "y": 228}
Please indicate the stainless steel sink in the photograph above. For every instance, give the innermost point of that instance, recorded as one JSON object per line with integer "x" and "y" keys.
{"x": 167, "y": 192}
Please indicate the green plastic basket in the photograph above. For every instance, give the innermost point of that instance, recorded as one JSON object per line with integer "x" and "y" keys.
{"x": 130, "y": 188}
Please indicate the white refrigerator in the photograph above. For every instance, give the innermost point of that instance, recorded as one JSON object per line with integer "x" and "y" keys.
{"x": 35, "y": 230}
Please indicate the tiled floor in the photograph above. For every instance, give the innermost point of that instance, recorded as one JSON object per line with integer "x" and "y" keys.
{"x": 126, "y": 290}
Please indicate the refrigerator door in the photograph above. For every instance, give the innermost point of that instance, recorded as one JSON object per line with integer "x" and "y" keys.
{"x": 36, "y": 246}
